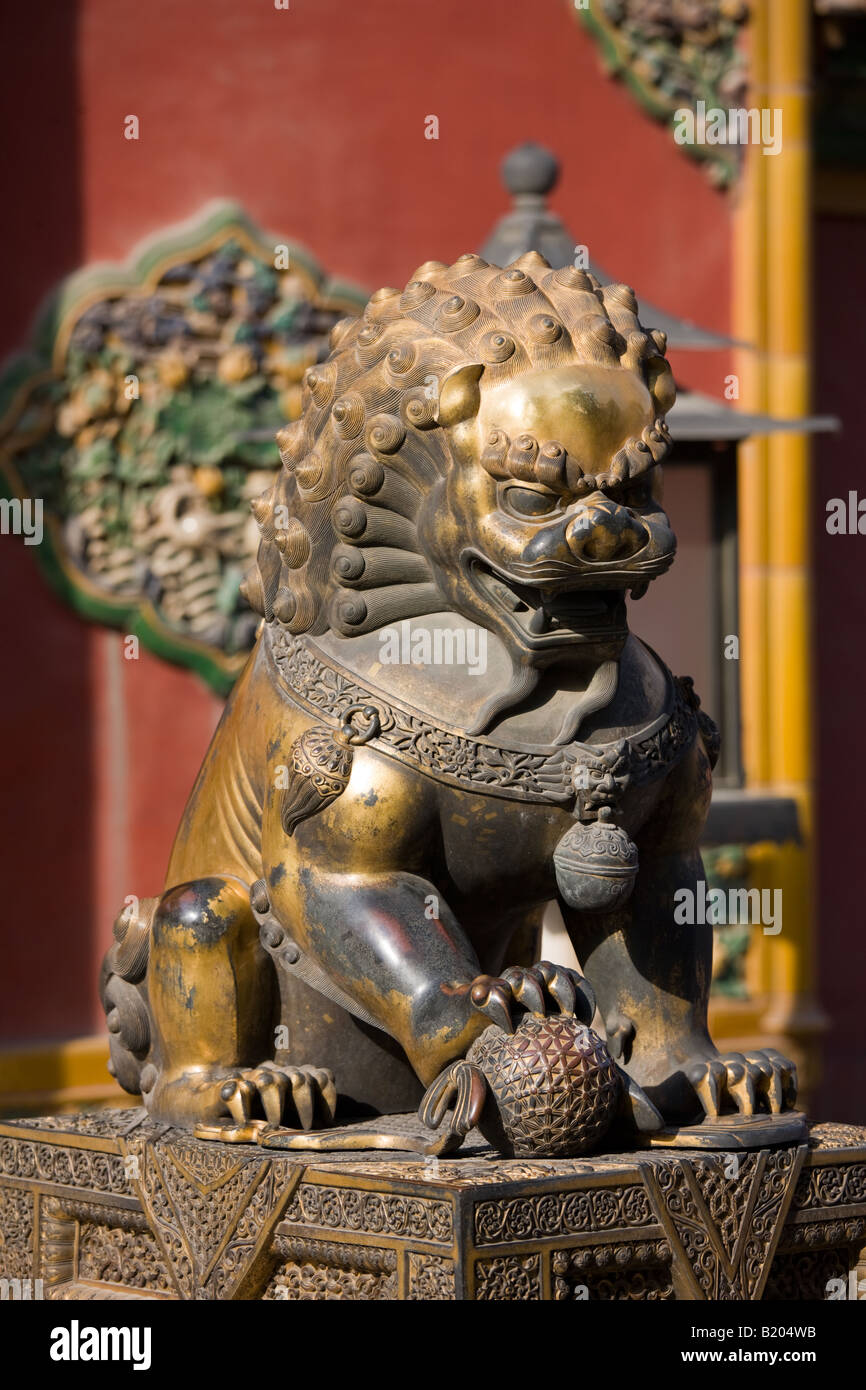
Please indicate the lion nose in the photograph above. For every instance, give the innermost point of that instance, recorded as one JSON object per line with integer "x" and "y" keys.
{"x": 603, "y": 531}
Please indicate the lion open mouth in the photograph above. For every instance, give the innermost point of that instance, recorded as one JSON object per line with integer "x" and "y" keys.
{"x": 543, "y": 618}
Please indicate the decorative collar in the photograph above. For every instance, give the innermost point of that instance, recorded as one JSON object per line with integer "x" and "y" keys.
{"x": 520, "y": 771}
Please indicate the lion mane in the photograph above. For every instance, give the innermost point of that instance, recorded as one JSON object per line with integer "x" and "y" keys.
{"x": 339, "y": 543}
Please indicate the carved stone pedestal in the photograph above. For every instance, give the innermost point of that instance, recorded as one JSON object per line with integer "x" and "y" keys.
{"x": 111, "y": 1206}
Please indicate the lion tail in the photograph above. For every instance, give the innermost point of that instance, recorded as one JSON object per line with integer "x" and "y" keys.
{"x": 126, "y": 1011}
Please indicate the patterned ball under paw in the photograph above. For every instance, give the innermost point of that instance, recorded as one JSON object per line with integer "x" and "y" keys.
{"x": 554, "y": 1088}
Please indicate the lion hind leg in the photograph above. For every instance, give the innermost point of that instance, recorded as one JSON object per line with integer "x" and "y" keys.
{"x": 189, "y": 995}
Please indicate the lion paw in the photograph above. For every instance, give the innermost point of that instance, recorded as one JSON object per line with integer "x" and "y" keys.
{"x": 751, "y": 1081}
{"x": 287, "y": 1095}
{"x": 533, "y": 989}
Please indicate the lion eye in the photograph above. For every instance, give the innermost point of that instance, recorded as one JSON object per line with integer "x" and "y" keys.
{"x": 527, "y": 501}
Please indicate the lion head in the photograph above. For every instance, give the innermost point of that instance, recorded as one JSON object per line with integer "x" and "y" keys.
{"x": 485, "y": 442}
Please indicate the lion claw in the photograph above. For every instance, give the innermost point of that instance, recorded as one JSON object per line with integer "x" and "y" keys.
{"x": 283, "y": 1093}
{"x": 532, "y": 988}
{"x": 493, "y": 998}
{"x": 762, "y": 1080}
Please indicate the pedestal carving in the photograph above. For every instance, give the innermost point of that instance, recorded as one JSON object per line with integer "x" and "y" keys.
{"x": 115, "y": 1206}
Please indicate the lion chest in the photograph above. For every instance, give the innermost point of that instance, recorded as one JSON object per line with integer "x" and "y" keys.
{"x": 500, "y": 850}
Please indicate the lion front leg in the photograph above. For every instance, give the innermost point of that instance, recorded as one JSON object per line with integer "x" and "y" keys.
{"x": 389, "y": 943}
{"x": 651, "y": 975}
{"x": 350, "y": 883}
{"x": 392, "y": 947}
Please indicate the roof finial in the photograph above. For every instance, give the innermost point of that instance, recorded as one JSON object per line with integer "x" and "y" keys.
{"x": 530, "y": 172}
{"x": 530, "y": 169}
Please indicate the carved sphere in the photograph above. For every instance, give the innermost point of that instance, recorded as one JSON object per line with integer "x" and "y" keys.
{"x": 554, "y": 1088}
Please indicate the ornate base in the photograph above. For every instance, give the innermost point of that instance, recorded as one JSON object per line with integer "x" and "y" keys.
{"x": 112, "y": 1206}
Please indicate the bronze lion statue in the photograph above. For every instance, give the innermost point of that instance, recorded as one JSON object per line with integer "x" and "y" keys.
{"x": 351, "y": 918}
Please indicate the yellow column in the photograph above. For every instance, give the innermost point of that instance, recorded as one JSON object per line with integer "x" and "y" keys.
{"x": 750, "y": 326}
{"x": 772, "y": 310}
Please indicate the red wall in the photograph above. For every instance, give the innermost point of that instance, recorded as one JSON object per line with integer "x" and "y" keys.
{"x": 840, "y": 621}
{"x": 313, "y": 118}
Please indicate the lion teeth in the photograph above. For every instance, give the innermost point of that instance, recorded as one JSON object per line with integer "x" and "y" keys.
{"x": 538, "y": 622}
{"x": 506, "y": 596}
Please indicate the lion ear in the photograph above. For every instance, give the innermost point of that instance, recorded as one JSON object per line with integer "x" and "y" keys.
{"x": 459, "y": 396}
